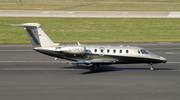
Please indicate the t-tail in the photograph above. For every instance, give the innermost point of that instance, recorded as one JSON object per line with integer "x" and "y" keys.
{"x": 37, "y": 36}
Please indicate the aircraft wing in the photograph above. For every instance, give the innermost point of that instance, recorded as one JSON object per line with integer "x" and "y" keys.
{"x": 95, "y": 61}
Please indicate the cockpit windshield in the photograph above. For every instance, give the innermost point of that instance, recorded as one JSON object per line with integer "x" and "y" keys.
{"x": 144, "y": 51}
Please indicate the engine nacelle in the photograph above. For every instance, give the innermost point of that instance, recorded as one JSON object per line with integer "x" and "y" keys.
{"x": 71, "y": 50}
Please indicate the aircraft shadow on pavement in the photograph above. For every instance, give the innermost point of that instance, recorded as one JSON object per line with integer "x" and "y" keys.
{"x": 106, "y": 68}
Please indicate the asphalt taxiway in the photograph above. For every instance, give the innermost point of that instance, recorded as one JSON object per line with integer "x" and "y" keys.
{"x": 90, "y": 14}
{"x": 26, "y": 74}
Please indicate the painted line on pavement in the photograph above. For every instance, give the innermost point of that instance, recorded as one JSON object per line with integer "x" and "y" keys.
{"x": 173, "y": 62}
{"x": 37, "y": 69}
{"x": 176, "y": 70}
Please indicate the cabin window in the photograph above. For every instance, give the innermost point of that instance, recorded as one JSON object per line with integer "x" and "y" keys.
{"x": 127, "y": 51}
{"x": 108, "y": 50}
{"x": 120, "y": 51}
{"x": 114, "y": 51}
{"x": 101, "y": 50}
{"x": 95, "y": 50}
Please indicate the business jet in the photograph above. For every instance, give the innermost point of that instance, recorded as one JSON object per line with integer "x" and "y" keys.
{"x": 91, "y": 55}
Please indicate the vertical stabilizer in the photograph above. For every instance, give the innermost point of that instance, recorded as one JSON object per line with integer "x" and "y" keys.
{"x": 37, "y": 36}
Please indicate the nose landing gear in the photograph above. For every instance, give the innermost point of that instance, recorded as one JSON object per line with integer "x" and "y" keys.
{"x": 151, "y": 68}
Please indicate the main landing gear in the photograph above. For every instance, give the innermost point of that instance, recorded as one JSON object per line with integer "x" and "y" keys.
{"x": 151, "y": 68}
{"x": 93, "y": 67}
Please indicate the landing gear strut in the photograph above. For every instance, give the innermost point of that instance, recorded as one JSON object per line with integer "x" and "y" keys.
{"x": 93, "y": 67}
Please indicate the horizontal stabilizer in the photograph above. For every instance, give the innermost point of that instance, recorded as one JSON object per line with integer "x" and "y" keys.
{"x": 28, "y": 25}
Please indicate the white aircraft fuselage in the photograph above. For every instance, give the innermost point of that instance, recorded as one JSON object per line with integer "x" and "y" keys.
{"x": 93, "y": 55}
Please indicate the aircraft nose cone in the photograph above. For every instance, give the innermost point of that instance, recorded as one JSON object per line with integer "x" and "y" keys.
{"x": 164, "y": 60}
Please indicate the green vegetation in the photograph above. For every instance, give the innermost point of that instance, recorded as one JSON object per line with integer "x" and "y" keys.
{"x": 93, "y": 5}
{"x": 94, "y": 29}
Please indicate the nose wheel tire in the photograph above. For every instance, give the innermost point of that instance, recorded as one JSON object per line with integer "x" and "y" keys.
{"x": 152, "y": 68}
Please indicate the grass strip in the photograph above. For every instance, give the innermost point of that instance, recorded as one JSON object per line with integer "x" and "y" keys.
{"x": 94, "y": 29}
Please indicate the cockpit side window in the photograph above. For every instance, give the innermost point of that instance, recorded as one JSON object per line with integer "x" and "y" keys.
{"x": 142, "y": 51}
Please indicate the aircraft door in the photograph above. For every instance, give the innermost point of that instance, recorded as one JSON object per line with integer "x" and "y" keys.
{"x": 101, "y": 51}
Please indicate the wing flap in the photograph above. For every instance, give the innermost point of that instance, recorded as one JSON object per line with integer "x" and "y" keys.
{"x": 96, "y": 61}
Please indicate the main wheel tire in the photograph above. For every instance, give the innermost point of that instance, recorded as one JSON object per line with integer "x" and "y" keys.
{"x": 91, "y": 68}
